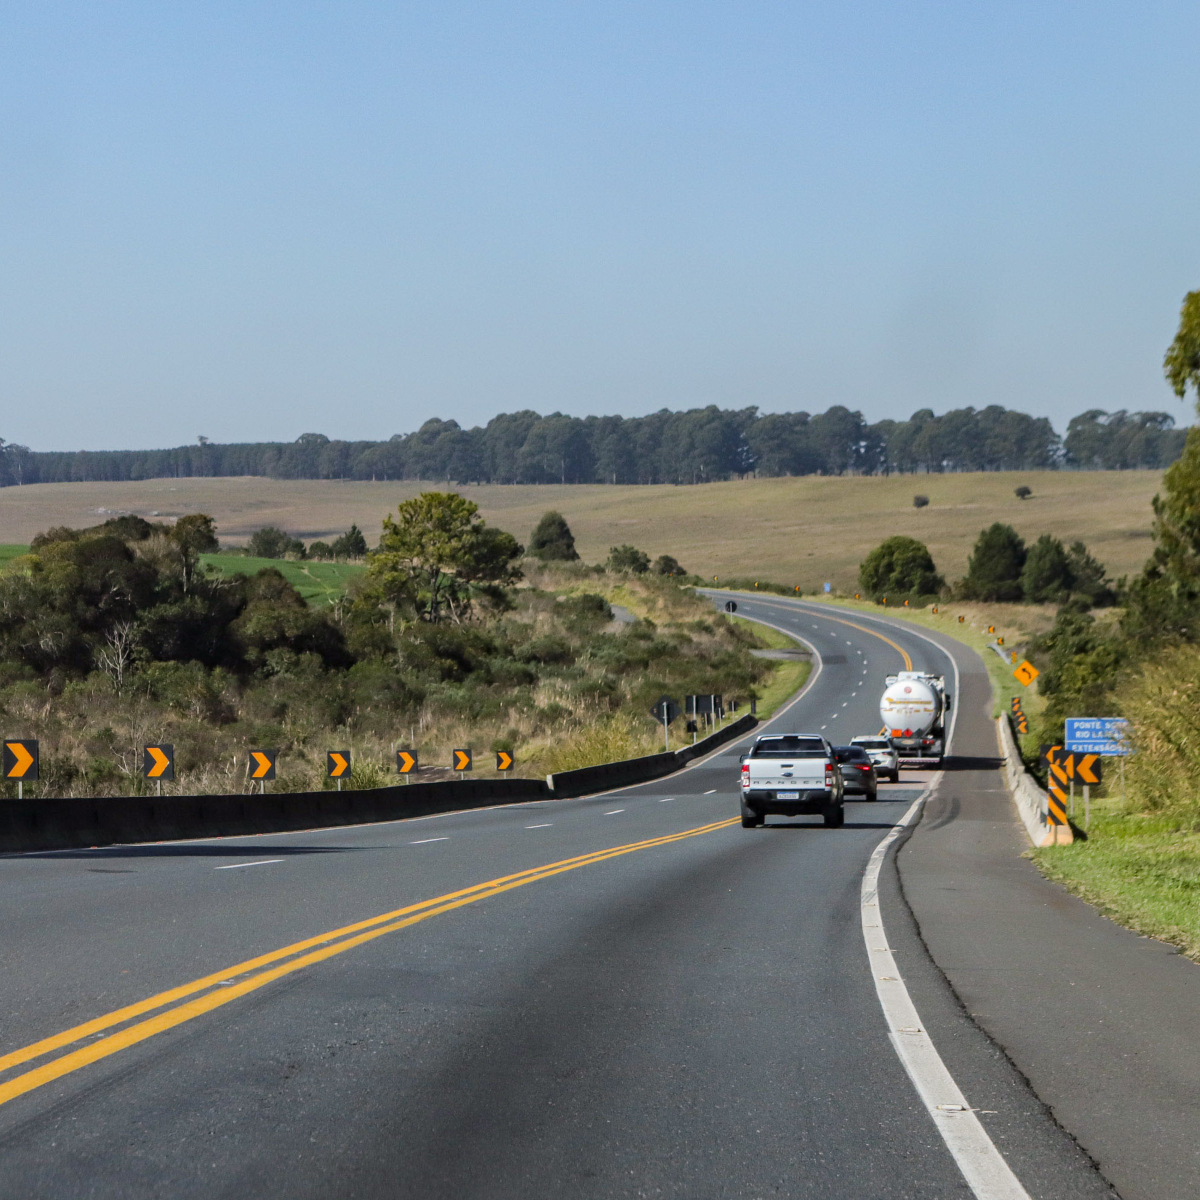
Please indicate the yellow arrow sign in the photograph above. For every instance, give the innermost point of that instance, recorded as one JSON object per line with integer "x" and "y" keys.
{"x": 160, "y": 762}
{"x": 1026, "y": 673}
{"x": 1088, "y": 768}
{"x": 338, "y": 764}
{"x": 262, "y": 764}
{"x": 504, "y": 760}
{"x": 462, "y": 760}
{"x": 22, "y": 760}
{"x": 405, "y": 762}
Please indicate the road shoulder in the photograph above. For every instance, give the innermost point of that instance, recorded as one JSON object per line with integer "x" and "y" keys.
{"x": 1103, "y": 1023}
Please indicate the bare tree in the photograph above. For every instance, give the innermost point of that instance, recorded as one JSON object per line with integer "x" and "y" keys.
{"x": 115, "y": 657}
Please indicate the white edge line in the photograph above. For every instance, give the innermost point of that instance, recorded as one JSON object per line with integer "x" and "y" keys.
{"x": 982, "y": 1165}
{"x": 422, "y": 841}
{"x": 234, "y": 866}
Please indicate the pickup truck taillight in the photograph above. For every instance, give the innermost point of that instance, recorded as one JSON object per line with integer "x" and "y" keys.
{"x": 828, "y": 776}
{"x": 745, "y": 774}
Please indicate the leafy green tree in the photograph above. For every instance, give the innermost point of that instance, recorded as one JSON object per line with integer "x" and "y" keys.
{"x": 994, "y": 569}
{"x": 1089, "y": 578}
{"x": 1023, "y": 492}
{"x": 1080, "y": 667}
{"x": 438, "y": 556}
{"x": 192, "y": 536}
{"x": 351, "y": 544}
{"x": 1181, "y": 364}
{"x": 271, "y": 542}
{"x": 552, "y": 540}
{"x": 1047, "y": 576}
{"x": 664, "y": 564}
{"x": 628, "y": 558}
{"x": 899, "y": 566}
{"x": 320, "y": 550}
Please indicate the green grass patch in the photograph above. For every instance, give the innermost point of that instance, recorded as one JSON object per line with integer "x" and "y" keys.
{"x": 319, "y": 583}
{"x": 9, "y": 552}
{"x": 1141, "y": 870}
{"x": 787, "y": 678}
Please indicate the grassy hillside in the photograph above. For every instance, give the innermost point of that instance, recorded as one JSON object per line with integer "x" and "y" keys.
{"x": 801, "y": 531}
{"x": 318, "y": 582}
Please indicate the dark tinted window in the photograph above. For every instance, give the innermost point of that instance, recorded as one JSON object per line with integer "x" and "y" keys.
{"x": 788, "y": 747}
{"x": 851, "y": 754}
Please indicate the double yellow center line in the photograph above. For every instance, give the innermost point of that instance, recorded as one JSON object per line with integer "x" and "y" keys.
{"x": 223, "y": 987}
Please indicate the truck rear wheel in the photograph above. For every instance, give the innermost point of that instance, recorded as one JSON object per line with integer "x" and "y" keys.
{"x": 751, "y": 822}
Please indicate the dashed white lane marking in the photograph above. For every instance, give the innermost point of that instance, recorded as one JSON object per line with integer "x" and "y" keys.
{"x": 824, "y": 726}
{"x": 666, "y": 800}
{"x": 614, "y": 812}
{"x": 262, "y": 862}
{"x": 422, "y": 841}
{"x": 546, "y": 826}
{"x": 710, "y": 792}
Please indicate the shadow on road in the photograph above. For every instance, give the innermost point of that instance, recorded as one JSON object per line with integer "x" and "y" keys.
{"x": 954, "y": 762}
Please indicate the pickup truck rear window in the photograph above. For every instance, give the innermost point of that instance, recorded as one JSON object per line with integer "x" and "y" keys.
{"x": 788, "y": 747}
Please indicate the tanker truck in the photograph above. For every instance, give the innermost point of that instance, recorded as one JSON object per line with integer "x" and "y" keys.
{"x": 913, "y": 709}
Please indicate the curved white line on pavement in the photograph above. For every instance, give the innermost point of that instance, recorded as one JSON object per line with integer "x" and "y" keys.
{"x": 982, "y": 1165}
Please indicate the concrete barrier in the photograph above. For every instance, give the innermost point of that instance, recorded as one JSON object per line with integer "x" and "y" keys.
{"x": 1028, "y": 797}
{"x": 38, "y": 824}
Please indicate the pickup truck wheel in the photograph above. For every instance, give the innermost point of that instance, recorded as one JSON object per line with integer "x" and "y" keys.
{"x": 751, "y": 822}
{"x": 835, "y": 817}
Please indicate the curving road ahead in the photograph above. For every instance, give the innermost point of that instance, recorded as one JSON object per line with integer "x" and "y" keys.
{"x": 622, "y": 995}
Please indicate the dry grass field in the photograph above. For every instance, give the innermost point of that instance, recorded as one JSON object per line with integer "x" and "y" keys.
{"x": 799, "y": 531}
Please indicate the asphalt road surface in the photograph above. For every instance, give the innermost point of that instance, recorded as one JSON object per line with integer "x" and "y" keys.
{"x": 646, "y": 1000}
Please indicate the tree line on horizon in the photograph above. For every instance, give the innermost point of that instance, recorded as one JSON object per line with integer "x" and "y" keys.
{"x": 697, "y": 446}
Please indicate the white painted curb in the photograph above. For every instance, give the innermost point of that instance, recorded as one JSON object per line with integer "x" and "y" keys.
{"x": 1027, "y": 796}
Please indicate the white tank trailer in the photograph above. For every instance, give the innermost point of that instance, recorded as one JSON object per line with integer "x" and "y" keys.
{"x": 913, "y": 709}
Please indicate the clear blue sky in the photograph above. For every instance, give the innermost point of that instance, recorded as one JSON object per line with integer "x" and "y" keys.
{"x": 250, "y": 220}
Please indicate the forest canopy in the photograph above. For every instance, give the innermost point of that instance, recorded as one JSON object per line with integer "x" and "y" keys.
{"x": 697, "y": 446}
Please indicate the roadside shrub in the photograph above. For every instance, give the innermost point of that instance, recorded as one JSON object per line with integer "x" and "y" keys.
{"x": 552, "y": 540}
{"x": 899, "y": 566}
{"x": 664, "y": 564}
{"x": 628, "y": 558}
{"x": 994, "y": 569}
{"x": 920, "y": 501}
{"x": 272, "y": 542}
{"x": 1023, "y": 492}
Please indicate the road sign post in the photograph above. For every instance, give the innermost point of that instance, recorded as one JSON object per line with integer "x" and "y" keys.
{"x": 158, "y": 763}
{"x": 21, "y": 762}
{"x": 337, "y": 766}
{"x": 666, "y": 710}
{"x": 262, "y": 767}
{"x": 460, "y": 761}
{"x": 406, "y": 763}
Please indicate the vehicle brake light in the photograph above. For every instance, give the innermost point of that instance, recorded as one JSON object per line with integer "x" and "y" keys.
{"x": 828, "y": 775}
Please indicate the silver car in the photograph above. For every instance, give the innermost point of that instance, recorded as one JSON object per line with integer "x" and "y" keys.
{"x": 882, "y": 754}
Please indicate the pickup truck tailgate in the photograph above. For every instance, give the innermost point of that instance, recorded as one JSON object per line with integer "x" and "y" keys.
{"x": 802, "y": 773}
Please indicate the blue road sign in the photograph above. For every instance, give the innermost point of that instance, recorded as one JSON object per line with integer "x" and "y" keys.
{"x": 829, "y": 587}
{"x": 1097, "y": 735}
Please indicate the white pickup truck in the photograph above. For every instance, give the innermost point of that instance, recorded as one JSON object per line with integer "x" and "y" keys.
{"x": 789, "y": 774}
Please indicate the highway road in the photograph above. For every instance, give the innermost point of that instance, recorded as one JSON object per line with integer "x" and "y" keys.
{"x": 621, "y": 995}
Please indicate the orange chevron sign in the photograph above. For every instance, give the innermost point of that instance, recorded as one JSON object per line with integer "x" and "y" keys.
{"x": 337, "y": 763}
{"x": 21, "y": 760}
{"x": 462, "y": 760}
{"x": 405, "y": 761}
{"x": 504, "y": 760}
{"x": 1087, "y": 767}
{"x": 262, "y": 764}
{"x": 158, "y": 762}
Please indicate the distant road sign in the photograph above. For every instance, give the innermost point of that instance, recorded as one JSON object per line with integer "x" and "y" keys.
{"x": 666, "y": 710}
{"x": 406, "y": 760}
{"x": 1026, "y": 673}
{"x": 1098, "y": 735}
{"x": 461, "y": 760}
{"x": 829, "y": 587}
{"x": 262, "y": 764}
{"x": 21, "y": 760}
{"x": 158, "y": 762}
{"x": 337, "y": 764}
{"x": 731, "y": 606}
{"x": 504, "y": 760}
